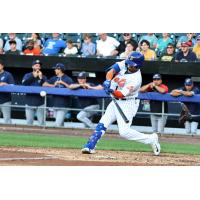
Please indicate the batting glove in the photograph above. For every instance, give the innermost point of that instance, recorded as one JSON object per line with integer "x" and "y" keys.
{"x": 106, "y": 84}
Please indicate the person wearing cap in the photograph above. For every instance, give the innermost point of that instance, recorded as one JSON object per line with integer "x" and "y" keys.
{"x": 53, "y": 45}
{"x": 6, "y": 78}
{"x": 88, "y": 105}
{"x": 196, "y": 48}
{"x": 11, "y": 37}
{"x": 188, "y": 37}
{"x": 13, "y": 48}
{"x": 60, "y": 80}
{"x": 169, "y": 54}
{"x": 157, "y": 121}
{"x": 30, "y": 49}
{"x": 189, "y": 90}
{"x": 34, "y": 102}
{"x": 185, "y": 54}
{"x": 127, "y": 37}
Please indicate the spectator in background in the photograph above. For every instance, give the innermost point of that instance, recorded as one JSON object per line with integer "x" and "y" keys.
{"x": 151, "y": 38}
{"x": 53, "y": 46}
{"x": 34, "y": 78}
{"x": 129, "y": 48}
{"x": 31, "y": 50}
{"x": 13, "y": 48}
{"x": 107, "y": 45}
{"x": 157, "y": 121}
{"x": 12, "y": 36}
{"x": 148, "y": 53}
{"x": 185, "y": 54}
{"x": 196, "y": 48}
{"x": 37, "y": 40}
{"x": 88, "y": 47}
{"x": 163, "y": 42}
{"x": 169, "y": 54}
{"x": 88, "y": 105}
{"x": 1, "y": 43}
{"x": 186, "y": 38}
{"x": 5, "y": 98}
{"x": 1, "y": 51}
{"x": 60, "y": 80}
{"x": 70, "y": 49}
{"x": 189, "y": 90}
{"x": 127, "y": 37}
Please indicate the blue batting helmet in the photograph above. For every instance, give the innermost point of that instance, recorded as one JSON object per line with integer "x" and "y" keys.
{"x": 135, "y": 59}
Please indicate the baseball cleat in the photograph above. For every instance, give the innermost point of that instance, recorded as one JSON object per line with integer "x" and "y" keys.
{"x": 86, "y": 150}
{"x": 155, "y": 145}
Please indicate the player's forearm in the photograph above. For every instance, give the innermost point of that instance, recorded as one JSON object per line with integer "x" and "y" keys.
{"x": 110, "y": 74}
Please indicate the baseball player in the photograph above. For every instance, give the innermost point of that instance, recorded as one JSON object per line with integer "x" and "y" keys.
{"x": 123, "y": 81}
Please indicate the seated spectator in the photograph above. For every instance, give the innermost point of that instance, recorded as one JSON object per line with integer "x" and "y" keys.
{"x": 13, "y": 48}
{"x": 60, "y": 80}
{"x": 185, "y": 54}
{"x": 70, "y": 49}
{"x": 30, "y": 49}
{"x": 5, "y": 98}
{"x": 107, "y": 45}
{"x": 148, "y": 53}
{"x": 157, "y": 121}
{"x": 1, "y": 51}
{"x": 163, "y": 42}
{"x": 189, "y": 90}
{"x": 88, "y": 47}
{"x": 1, "y": 43}
{"x": 169, "y": 54}
{"x": 151, "y": 38}
{"x": 186, "y": 38}
{"x": 88, "y": 105}
{"x": 196, "y": 48}
{"x": 12, "y": 36}
{"x": 37, "y": 40}
{"x": 129, "y": 48}
{"x": 53, "y": 46}
{"x": 127, "y": 37}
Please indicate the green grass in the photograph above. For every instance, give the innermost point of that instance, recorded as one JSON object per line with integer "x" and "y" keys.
{"x": 53, "y": 141}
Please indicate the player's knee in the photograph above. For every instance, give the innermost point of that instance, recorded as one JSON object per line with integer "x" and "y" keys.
{"x": 124, "y": 132}
{"x": 100, "y": 127}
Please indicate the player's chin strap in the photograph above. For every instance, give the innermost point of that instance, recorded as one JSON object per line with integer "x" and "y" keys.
{"x": 99, "y": 131}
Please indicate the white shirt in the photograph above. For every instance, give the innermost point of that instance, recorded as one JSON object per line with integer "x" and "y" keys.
{"x": 106, "y": 47}
{"x": 71, "y": 51}
{"x": 127, "y": 83}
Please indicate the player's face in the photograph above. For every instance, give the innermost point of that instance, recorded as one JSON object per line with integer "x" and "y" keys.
{"x": 188, "y": 87}
{"x": 1, "y": 67}
{"x": 157, "y": 81}
{"x": 81, "y": 81}
{"x": 36, "y": 67}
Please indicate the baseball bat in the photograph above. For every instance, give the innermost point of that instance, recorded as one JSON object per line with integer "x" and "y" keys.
{"x": 120, "y": 110}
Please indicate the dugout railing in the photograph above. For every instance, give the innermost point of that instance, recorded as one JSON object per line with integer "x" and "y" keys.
{"x": 93, "y": 94}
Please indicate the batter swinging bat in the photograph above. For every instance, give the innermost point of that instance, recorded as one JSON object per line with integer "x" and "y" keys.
{"x": 120, "y": 110}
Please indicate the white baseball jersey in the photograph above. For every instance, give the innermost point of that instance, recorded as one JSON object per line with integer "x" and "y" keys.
{"x": 127, "y": 83}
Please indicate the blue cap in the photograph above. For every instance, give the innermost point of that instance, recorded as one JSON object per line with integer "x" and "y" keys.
{"x": 59, "y": 66}
{"x": 36, "y": 62}
{"x": 82, "y": 75}
{"x": 188, "y": 82}
{"x": 157, "y": 76}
